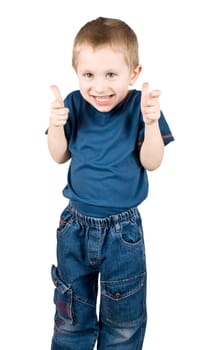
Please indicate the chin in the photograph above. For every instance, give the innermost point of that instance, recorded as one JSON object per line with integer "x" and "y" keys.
{"x": 103, "y": 108}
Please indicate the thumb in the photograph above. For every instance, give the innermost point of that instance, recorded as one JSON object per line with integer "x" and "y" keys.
{"x": 57, "y": 93}
{"x": 144, "y": 95}
{"x": 145, "y": 88}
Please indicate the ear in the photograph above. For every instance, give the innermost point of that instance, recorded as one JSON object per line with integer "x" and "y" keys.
{"x": 135, "y": 74}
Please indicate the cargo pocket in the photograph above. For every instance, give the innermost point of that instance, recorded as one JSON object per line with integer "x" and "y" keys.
{"x": 123, "y": 303}
{"x": 63, "y": 299}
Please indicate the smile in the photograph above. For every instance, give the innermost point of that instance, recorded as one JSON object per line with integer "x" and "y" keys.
{"x": 103, "y": 100}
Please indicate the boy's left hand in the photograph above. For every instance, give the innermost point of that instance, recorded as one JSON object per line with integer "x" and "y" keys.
{"x": 150, "y": 106}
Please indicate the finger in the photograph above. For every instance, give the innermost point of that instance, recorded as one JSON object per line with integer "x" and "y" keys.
{"x": 57, "y": 105}
{"x": 155, "y": 93}
{"x": 60, "y": 111}
{"x": 152, "y": 102}
{"x": 56, "y": 93}
{"x": 150, "y": 110}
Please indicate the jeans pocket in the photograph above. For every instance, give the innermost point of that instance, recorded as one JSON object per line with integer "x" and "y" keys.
{"x": 131, "y": 232}
{"x": 63, "y": 300}
{"x": 123, "y": 303}
{"x": 65, "y": 220}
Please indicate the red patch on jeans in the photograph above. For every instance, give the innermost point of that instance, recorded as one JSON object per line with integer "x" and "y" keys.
{"x": 59, "y": 323}
{"x": 63, "y": 307}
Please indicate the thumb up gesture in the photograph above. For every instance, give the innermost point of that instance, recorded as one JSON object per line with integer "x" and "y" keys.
{"x": 150, "y": 106}
{"x": 58, "y": 114}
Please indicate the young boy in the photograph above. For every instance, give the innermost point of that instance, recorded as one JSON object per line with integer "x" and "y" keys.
{"x": 113, "y": 135}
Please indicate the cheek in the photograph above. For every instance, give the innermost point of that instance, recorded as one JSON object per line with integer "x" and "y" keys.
{"x": 84, "y": 86}
{"x": 121, "y": 89}
{"x": 122, "y": 84}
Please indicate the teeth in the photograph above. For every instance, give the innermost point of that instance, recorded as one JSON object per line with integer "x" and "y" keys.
{"x": 102, "y": 97}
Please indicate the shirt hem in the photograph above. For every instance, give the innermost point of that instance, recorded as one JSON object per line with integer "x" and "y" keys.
{"x": 96, "y": 211}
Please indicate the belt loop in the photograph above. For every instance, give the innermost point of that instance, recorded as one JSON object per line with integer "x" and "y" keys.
{"x": 117, "y": 224}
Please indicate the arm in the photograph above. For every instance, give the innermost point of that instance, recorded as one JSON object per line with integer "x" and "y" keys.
{"x": 152, "y": 149}
{"x": 57, "y": 142}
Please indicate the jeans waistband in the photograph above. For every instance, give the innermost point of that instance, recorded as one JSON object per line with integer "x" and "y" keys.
{"x": 106, "y": 221}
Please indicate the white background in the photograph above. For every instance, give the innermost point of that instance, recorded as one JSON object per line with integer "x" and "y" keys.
{"x": 177, "y": 53}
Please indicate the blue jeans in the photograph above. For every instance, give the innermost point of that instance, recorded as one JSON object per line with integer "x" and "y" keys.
{"x": 112, "y": 248}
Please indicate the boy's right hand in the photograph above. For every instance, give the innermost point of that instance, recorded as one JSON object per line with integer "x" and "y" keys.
{"x": 59, "y": 114}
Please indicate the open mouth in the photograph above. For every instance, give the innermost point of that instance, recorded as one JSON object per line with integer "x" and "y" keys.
{"x": 103, "y": 100}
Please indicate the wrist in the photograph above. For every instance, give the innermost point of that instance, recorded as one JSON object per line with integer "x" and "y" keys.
{"x": 151, "y": 122}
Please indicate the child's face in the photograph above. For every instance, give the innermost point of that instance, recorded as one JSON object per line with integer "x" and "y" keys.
{"x": 104, "y": 76}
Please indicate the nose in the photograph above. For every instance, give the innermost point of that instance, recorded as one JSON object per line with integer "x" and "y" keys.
{"x": 99, "y": 85}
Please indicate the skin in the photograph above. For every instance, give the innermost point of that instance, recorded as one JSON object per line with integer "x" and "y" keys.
{"x": 104, "y": 80}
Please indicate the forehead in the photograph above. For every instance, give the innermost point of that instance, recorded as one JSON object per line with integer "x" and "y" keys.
{"x": 101, "y": 55}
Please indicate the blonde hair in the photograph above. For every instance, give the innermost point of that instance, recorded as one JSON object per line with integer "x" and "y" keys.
{"x": 111, "y": 32}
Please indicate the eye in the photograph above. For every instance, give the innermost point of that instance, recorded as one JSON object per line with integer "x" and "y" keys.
{"x": 111, "y": 75}
{"x": 88, "y": 75}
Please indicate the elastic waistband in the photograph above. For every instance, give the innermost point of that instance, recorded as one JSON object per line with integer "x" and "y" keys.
{"x": 107, "y": 221}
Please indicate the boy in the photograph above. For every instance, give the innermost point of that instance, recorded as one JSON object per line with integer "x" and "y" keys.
{"x": 113, "y": 135}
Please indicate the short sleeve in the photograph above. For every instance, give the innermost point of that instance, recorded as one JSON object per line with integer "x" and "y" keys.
{"x": 164, "y": 129}
{"x": 68, "y": 125}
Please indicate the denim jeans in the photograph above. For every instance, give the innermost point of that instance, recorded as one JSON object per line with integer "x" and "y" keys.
{"x": 111, "y": 248}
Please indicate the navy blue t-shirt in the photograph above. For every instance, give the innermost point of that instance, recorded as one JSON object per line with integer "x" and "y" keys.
{"x": 105, "y": 176}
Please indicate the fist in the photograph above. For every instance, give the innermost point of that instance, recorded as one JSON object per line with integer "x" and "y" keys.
{"x": 59, "y": 114}
{"x": 150, "y": 106}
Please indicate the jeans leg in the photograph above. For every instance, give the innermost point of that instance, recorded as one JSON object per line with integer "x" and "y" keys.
{"x": 75, "y": 318}
{"x": 76, "y": 326}
{"x": 116, "y": 338}
{"x": 123, "y": 313}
